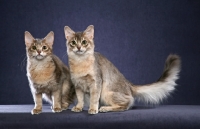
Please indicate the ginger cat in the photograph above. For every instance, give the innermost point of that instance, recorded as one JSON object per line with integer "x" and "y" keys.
{"x": 95, "y": 75}
{"x": 48, "y": 77}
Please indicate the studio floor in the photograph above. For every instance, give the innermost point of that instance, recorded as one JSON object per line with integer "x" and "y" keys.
{"x": 139, "y": 117}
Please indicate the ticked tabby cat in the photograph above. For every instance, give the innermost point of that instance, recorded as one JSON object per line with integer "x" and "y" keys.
{"x": 93, "y": 74}
{"x": 48, "y": 77}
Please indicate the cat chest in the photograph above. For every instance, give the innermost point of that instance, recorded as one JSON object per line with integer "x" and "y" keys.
{"x": 81, "y": 69}
{"x": 41, "y": 73}
{"x": 82, "y": 66}
{"x": 84, "y": 82}
{"x": 83, "y": 74}
{"x": 46, "y": 88}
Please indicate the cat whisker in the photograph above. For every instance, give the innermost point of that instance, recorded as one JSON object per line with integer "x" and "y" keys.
{"x": 23, "y": 63}
{"x": 64, "y": 56}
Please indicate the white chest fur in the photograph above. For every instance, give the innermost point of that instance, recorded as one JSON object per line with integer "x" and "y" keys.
{"x": 41, "y": 72}
{"x": 82, "y": 72}
{"x": 80, "y": 67}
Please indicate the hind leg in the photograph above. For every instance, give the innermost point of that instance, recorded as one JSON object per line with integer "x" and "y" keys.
{"x": 117, "y": 102}
{"x": 64, "y": 104}
{"x": 68, "y": 94}
{"x": 112, "y": 108}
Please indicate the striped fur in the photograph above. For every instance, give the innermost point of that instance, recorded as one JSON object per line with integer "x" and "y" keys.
{"x": 95, "y": 75}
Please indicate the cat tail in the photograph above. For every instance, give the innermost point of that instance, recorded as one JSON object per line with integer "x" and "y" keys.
{"x": 154, "y": 93}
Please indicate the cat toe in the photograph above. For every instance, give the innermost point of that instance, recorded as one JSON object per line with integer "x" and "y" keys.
{"x": 36, "y": 111}
{"x": 103, "y": 109}
{"x": 92, "y": 111}
{"x": 75, "y": 109}
{"x": 56, "y": 110}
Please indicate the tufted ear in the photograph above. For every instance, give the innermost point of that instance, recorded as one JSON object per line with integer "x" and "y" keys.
{"x": 89, "y": 32}
{"x": 49, "y": 39}
{"x": 69, "y": 33}
{"x": 28, "y": 38}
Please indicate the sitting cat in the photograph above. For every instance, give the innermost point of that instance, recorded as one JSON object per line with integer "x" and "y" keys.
{"x": 48, "y": 77}
{"x": 93, "y": 74}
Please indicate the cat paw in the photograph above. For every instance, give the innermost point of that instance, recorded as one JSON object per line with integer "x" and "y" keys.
{"x": 103, "y": 109}
{"x": 56, "y": 109}
{"x": 65, "y": 106}
{"x": 93, "y": 111}
{"x": 36, "y": 111}
{"x": 75, "y": 109}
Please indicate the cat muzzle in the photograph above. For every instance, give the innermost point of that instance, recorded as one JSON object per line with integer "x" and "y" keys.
{"x": 39, "y": 57}
{"x": 38, "y": 52}
{"x": 79, "y": 52}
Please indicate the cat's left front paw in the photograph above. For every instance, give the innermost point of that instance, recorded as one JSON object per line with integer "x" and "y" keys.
{"x": 56, "y": 109}
{"x": 75, "y": 109}
{"x": 93, "y": 111}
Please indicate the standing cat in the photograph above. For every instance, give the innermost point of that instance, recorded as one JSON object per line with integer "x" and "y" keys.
{"x": 93, "y": 74}
{"x": 48, "y": 77}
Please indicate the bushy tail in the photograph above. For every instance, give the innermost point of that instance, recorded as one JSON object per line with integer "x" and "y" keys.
{"x": 154, "y": 93}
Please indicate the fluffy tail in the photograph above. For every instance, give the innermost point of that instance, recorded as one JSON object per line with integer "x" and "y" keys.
{"x": 154, "y": 93}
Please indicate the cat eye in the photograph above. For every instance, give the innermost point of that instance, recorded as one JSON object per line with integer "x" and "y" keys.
{"x": 34, "y": 47}
{"x": 73, "y": 43}
{"x": 84, "y": 42}
{"x": 44, "y": 47}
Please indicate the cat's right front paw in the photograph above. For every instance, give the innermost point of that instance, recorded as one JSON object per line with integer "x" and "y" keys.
{"x": 36, "y": 111}
{"x": 57, "y": 110}
{"x": 75, "y": 109}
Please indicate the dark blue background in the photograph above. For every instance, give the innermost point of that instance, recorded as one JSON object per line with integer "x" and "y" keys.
{"x": 136, "y": 35}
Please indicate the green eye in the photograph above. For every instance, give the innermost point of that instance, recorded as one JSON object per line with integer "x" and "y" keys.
{"x": 84, "y": 42}
{"x": 73, "y": 43}
{"x": 44, "y": 47}
{"x": 34, "y": 47}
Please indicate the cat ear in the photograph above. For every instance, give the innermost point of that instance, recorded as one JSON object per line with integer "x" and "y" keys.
{"x": 28, "y": 39}
{"x": 69, "y": 33}
{"x": 49, "y": 38}
{"x": 89, "y": 32}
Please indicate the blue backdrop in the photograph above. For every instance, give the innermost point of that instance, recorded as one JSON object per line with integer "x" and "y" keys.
{"x": 136, "y": 35}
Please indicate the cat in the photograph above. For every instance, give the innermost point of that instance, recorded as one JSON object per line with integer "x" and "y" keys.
{"x": 93, "y": 74}
{"x": 48, "y": 77}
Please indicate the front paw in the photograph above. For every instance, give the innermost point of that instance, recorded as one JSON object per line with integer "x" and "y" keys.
{"x": 56, "y": 109}
{"x": 75, "y": 109}
{"x": 36, "y": 111}
{"x": 93, "y": 111}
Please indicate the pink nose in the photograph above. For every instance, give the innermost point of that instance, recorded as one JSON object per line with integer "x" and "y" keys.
{"x": 39, "y": 52}
{"x": 78, "y": 48}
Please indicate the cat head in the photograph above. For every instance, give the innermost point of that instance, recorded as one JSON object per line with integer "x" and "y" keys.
{"x": 39, "y": 48}
{"x": 80, "y": 43}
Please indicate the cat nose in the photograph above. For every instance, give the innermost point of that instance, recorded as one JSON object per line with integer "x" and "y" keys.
{"x": 78, "y": 47}
{"x": 39, "y": 52}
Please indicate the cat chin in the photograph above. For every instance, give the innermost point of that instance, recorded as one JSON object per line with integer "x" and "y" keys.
{"x": 39, "y": 57}
{"x": 79, "y": 52}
